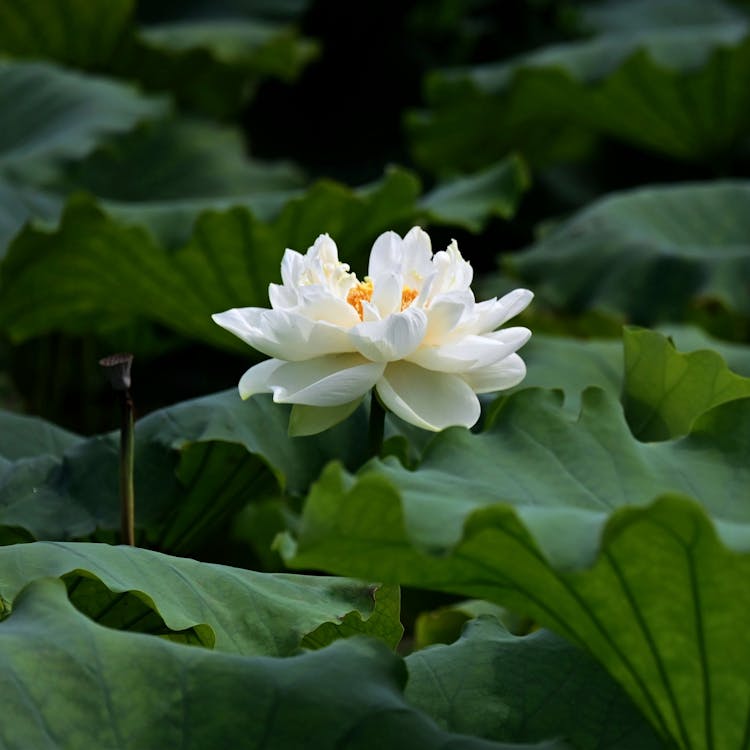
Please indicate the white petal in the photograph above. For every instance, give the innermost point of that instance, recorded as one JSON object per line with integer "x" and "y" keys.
{"x": 468, "y": 352}
{"x": 425, "y": 291}
{"x": 324, "y": 249}
{"x": 445, "y": 313}
{"x": 386, "y": 293}
{"x": 325, "y": 381}
{"x": 512, "y": 338}
{"x": 309, "y": 420}
{"x": 242, "y": 322}
{"x": 255, "y": 380}
{"x": 284, "y": 334}
{"x": 453, "y": 272}
{"x": 319, "y": 303}
{"x": 493, "y": 313}
{"x": 416, "y": 262}
{"x": 394, "y": 337}
{"x": 300, "y": 338}
{"x": 320, "y": 267}
{"x": 370, "y": 312}
{"x": 471, "y": 351}
{"x": 292, "y": 266}
{"x": 503, "y": 374}
{"x": 431, "y": 400}
{"x": 282, "y": 297}
{"x": 385, "y": 254}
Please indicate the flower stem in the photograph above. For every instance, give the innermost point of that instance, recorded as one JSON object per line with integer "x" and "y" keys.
{"x": 117, "y": 370}
{"x": 377, "y": 424}
{"x": 127, "y": 455}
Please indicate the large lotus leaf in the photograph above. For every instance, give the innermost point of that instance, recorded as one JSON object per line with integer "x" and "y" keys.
{"x": 688, "y": 338}
{"x": 27, "y": 445}
{"x": 175, "y": 159}
{"x": 652, "y": 254}
{"x": 196, "y": 463}
{"x": 240, "y": 611}
{"x": 665, "y": 391}
{"x": 548, "y": 515}
{"x": 172, "y": 223}
{"x": 69, "y": 683}
{"x": 260, "y": 46}
{"x": 470, "y": 201}
{"x": 22, "y": 436}
{"x": 572, "y": 365}
{"x": 679, "y": 91}
{"x": 510, "y": 688}
{"x": 95, "y": 273}
{"x": 634, "y": 15}
{"x": 19, "y": 203}
{"x": 212, "y": 63}
{"x": 548, "y": 463}
{"x": 214, "y": 66}
{"x": 161, "y": 175}
{"x": 164, "y": 175}
{"x": 49, "y": 113}
{"x": 646, "y": 374}
{"x": 78, "y": 33}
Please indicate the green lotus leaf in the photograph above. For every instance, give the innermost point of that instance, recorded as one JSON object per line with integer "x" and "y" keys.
{"x": 553, "y": 517}
{"x": 78, "y": 33}
{"x": 197, "y": 464}
{"x": 665, "y": 390}
{"x": 212, "y": 64}
{"x": 688, "y": 338}
{"x": 162, "y": 175}
{"x": 548, "y": 463}
{"x": 50, "y": 113}
{"x": 178, "y": 159}
{"x": 519, "y": 689}
{"x": 215, "y": 65}
{"x": 279, "y": 613}
{"x": 634, "y": 15}
{"x": 653, "y": 254}
{"x": 572, "y": 365}
{"x": 70, "y": 682}
{"x": 23, "y": 437}
{"x": 18, "y": 204}
{"x": 676, "y": 91}
{"x": 260, "y": 46}
{"x": 165, "y": 174}
{"x": 471, "y": 201}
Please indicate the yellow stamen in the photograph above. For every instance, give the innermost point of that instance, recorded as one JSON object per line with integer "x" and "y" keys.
{"x": 408, "y": 295}
{"x": 362, "y": 291}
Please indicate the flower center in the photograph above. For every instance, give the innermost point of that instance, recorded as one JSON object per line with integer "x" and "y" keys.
{"x": 408, "y": 295}
{"x": 362, "y": 290}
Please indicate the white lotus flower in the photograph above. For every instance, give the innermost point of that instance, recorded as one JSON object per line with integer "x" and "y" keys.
{"x": 411, "y": 329}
